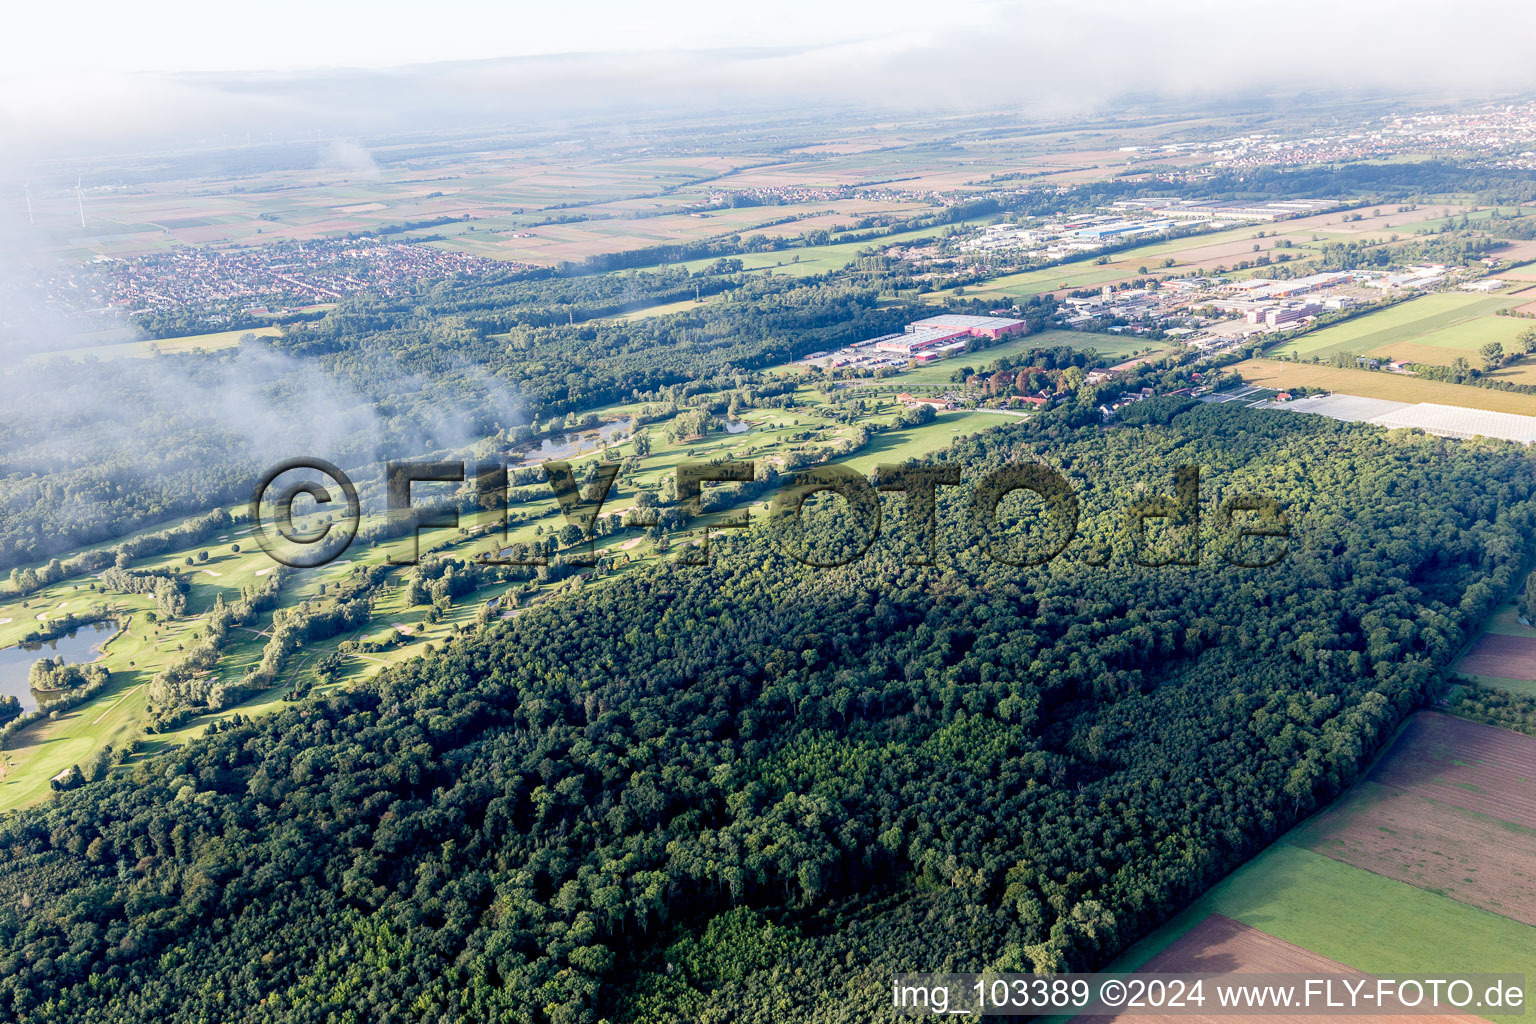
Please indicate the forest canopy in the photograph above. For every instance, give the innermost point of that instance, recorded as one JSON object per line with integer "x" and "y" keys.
{"x": 751, "y": 791}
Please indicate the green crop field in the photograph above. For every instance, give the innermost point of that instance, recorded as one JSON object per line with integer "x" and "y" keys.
{"x": 1360, "y": 919}
{"x": 1367, "y": 920}
{"x": 1078, "y": 274}
{"x": 1456, "y": 323}
{"x": 1434, "y": 223}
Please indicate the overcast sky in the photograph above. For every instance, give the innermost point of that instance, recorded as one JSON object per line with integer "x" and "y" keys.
{"x": 195, "y": 35}
{"x": 92, "y": 73}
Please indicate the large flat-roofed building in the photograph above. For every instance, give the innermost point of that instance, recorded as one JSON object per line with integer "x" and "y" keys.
{"x": 993, "y": 327}
{"x": 916, "y": 341}
{"x": 1300, "y": 285}
{"x": 1292, "y": 314}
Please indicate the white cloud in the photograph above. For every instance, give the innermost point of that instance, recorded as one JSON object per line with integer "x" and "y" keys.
{"x": 1044, "y": 56}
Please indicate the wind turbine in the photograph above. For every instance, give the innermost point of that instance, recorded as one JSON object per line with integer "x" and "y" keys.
{"x": 27, "y": 188}
{"x": 80, "y": 198}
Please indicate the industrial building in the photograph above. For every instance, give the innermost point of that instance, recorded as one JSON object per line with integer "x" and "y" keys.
{"x": 1214, "y": 210}
{"x": 992, "y": 327}
{"x": 936, "y": 336}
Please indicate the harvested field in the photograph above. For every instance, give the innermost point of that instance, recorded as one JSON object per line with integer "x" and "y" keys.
{"x": 1220, "y": 945}
{"x": 1450, "y": 808}
{"x": 1395, "y": 387}
{"x": 1481, "y": 768}
{"x": 1517, "y": 251}
{"x": 1507, "y": 657}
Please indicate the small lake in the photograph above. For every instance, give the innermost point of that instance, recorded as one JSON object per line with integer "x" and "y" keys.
{"x": 81, "y": 646}
{"x": 563, "y": 446}
{"x": 737, "y": 426}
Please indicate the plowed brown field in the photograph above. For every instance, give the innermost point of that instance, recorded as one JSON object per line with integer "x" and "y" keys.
{"x": 1451, "y": 807}
{"x": 1221, "y": 945}
{"x": 1507, "y": 657}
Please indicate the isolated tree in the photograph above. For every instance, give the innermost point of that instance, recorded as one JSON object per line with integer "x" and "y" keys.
{"x": 1493, "y": 355}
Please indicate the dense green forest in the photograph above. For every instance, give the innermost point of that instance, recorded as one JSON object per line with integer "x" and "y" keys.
{"x": 749, "y": 791}
{"x": 1508, "y": 710}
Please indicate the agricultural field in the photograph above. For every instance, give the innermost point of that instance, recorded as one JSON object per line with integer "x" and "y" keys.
{"x": 1527, "y": 298}
{"x": 534, "y": 199}
{"x": 1520, "y": 272}
{"x": 552, "y": 244}
{"x": 148, "y": 348}
{"x": 1326, "y": 888}
{"x": 358, "y": 195}
{"x": 918, "y": 169}
{"x": 1449, "y": 808}
{"x": 1220, "y": 945}
{"x": 1395, "y": 387}
{"x": 1433, "y": 217}
{"x": 1504, "y": 655}
{"x": 1434, "y": 328}
{"x": 1501, "y": 660}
